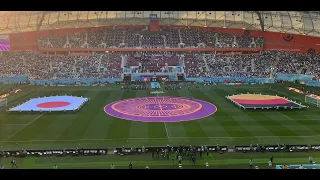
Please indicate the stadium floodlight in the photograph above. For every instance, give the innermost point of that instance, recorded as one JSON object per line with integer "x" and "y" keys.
{"x": 3, "y": 102}
{"x": 312, "y": 100}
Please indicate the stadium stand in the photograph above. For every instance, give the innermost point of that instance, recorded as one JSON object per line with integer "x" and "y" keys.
{"x": 141, "y": 37}
{"x": 108, "y": 65}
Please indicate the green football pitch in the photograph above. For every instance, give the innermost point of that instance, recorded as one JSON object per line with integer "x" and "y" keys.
{"x": 91, "y": 127}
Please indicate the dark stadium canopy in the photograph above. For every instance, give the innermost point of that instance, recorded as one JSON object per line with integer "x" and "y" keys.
{"x": 295, "y": 22}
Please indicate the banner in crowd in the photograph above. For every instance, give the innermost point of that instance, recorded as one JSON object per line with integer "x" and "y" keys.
{"x": 13, "y": 79}
{"x": 294, "y": 77}
{"x": 84, "y": 81}
{"x": 234, "y": 80}
{"x": 313, "y": 83}
{"x": 4, "y": 43}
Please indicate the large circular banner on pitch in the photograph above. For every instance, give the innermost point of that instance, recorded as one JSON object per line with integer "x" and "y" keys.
{"x": 160, "y": 109}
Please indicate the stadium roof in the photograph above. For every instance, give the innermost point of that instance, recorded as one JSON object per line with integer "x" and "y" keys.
{"x": 295, "y": 22}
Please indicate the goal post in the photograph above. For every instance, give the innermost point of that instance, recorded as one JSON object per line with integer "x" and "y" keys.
{"x": 3, "y": 102}
{"x": 312, "y": 100}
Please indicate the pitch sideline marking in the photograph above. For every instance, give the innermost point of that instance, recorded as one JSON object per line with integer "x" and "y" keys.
{"x": 206, "y": 138}
{"x": 25, "y": 126}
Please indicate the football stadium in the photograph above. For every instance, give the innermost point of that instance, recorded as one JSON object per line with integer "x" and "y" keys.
{"x": 159, "y": 89}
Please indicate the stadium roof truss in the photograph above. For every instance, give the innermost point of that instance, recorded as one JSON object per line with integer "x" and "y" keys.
{"x": 295, "y": 22}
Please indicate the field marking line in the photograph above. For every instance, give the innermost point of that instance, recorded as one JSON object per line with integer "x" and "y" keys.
{"x": 37, "y": 118}
{"x": 26, "y": 126}
{"x": 178, "y": 138}
{"x": 307, "y": 119}
{"x": 13, "y": 125}
{"x": 286, "y": 116}
{"x": 165, "y": 126}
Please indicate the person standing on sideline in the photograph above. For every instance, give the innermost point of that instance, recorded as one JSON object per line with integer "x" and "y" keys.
{"x": 271, "y": 158}
{"x": 113, "y": 166}
{"x": 270, "y": 163}
{"x": 250, "y": 163}
{"x": 130, "y": 165}
{"x": 193, "y": 159}
{"x": 13, "y": 162}
{"x": 310, "y": 160}
{"x": 55, "y": 167}
{"x": 157, "y": 154}
{"x": 180, "y": 159}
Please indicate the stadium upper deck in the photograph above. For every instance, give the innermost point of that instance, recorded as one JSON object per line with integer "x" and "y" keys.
{"x": 293, "y": 22}
{"x": 293, "y": 31}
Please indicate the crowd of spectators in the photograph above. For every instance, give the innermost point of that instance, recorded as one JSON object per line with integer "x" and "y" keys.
{"x": 142, "y": 38}
{"x": 110, "y": 65}
{"x": 263, "y": 65}
{"x": 152, "y": 61}
{"x": 40, "y": 66}
{"x": 194, "y": 65}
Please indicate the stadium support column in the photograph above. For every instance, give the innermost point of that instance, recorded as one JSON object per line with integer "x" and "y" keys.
{"x": 39, "y": 24}
{"x": 261, "y": 20}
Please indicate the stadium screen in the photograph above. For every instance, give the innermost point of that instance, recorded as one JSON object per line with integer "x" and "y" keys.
{"x": 4, "y": 43}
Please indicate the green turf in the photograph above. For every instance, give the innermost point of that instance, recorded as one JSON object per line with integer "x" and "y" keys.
{"x": 92, "y": 127}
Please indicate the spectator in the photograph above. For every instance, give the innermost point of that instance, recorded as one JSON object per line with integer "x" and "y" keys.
{"x": 140, "y": 37}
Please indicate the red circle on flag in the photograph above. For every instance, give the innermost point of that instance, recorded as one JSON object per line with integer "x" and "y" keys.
{"x": 55, "y": 104}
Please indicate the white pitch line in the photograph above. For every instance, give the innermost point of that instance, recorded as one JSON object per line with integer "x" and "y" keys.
{"x": 201, "y": 138}
{"x": 25, "y": 126}
{"x": 13, "y": 125}
{"x": 286, "y": 116}
{"x": 165, "y": 126}
{"x": 36, "y": 118}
